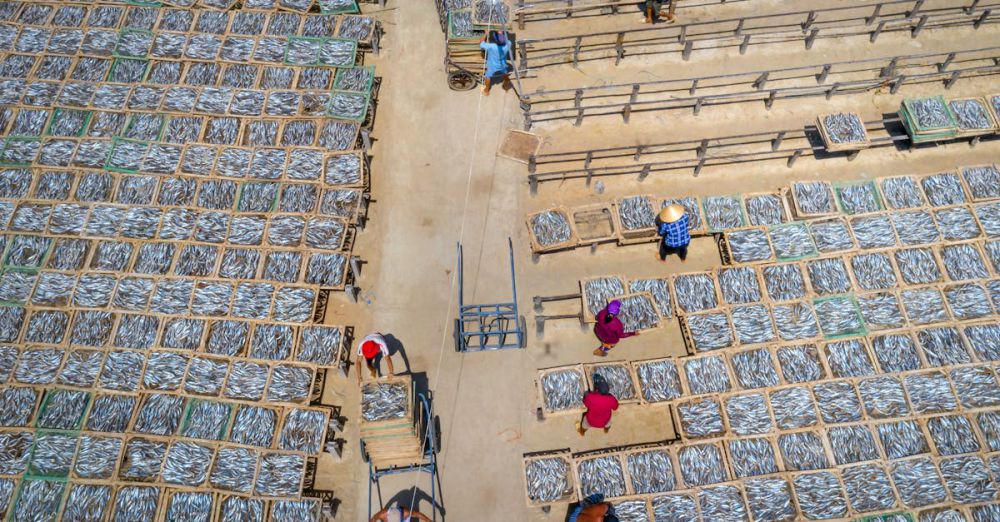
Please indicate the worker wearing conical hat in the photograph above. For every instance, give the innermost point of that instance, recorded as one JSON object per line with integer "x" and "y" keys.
{"x": 673, "y": 226}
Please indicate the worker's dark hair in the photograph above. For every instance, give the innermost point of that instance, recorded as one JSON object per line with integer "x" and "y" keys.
{"x": 601, "y": 384}
{"x": 608, "y": 317}
{"x": 494, "y": 38}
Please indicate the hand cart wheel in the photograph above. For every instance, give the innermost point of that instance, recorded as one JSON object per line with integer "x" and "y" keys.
{"x": 462, "y": 80}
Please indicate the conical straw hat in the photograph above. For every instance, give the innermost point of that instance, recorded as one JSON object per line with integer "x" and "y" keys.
{"x": 672, "y": 213}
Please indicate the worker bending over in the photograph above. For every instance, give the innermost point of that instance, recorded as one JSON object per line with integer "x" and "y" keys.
{"x": 395, "y": 513}
{"x": 673, "y": 226}
{"x": 609, "y": 328}
{"x": 374, "y": 350}
{"x": 599, "y": 403}
{"x": 496, "y": 46}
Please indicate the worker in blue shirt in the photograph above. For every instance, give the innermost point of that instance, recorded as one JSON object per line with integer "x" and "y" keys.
{"x": 497, "y": 47}
{"x": 673, "y": 226}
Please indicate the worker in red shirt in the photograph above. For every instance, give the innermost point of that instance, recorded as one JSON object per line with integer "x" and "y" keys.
{"x": 609, "y": 329}
{"x": 600, "y": 403}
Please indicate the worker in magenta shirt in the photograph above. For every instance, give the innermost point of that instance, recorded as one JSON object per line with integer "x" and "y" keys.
{"x": 609, "y": 328}
{"x": 599, "y": 403}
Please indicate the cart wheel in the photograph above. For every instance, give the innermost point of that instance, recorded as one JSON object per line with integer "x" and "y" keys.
{"x": 462, "y": 81}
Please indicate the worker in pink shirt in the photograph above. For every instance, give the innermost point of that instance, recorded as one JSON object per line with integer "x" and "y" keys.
{"x": 600, "y": 403}
{"x": 609, "y": 329}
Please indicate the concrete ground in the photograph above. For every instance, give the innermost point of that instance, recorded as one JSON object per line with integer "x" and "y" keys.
{"x": 437, "y": 181}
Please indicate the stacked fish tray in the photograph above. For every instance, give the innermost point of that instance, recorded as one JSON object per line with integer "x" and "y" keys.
{"x": 843, "y": 131}
{"x": 178, "y": 195}
{"x": 843, "y": 366}
{"x": 928, "y": 119}
{"x": 390, "y": 429}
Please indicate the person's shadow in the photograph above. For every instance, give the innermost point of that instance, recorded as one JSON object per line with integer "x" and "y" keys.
{"x": 416, "y": 498}
{"x": 396, "y": 347}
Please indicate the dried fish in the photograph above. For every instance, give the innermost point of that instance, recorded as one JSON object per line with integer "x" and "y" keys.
{"x": 915, "y": 227}
{"x": 723, "y": 212}
{"x": 246, "y": 381}
{"x": 97, "y": 457}
{"x": 547, "y": 479}
{"x": 207, "y": 420}
{"x": 280, "y": 475}
{"x": 134, "y": 330}
{"x": 971, "y": 114}
{"x": 296, "y": 510}
{"x": 601, "y": 475}
{"x": 638, "y": 312}
{"x": 701, "y": 418}
{"x": 550, "y": 228}
{"x": 37, "y": 497}
{"x": 52, "y": 454}
{"x": 111, "y": 413}
{"x": 227, "y": 337}
{"x": 793, "y": 408}
{"x": 957, "y": 223}
{"x": 710, "y": 331}
{"x": 205, "y": 376}
{"x": 795, "y": 321}
{"x": 873, "y": 232}
{"x": 707, "y": 375}
{"x": 845, "y": 127}
{"x": 748, "y": 414}
{"x": 701, "y": 464}
{"x": 659, "y": 289}
{"x": 943, "y": 189}
{"x": 597, "y": 292}
{"x": 985, "y": 341}
{"x": 384, "y": 401}
{"x": 800, "y": 363}
{"x": 837, "y": 402}
{"x": 918, "y": 482}
{"x": 695, "y": 292}
{"x": 849, "y": 359}
{"x": 492, "y": 12}
{"x": 143, "y": 459}
{"x": 187, "y": 464}
{"x": 754, "y": 368}
{"x": 658, "y": 381}
{"x": 182, "y": 334}
{"x": 984, "y": 513}
{"x": 136, "y": 504}
{"x": 160, "y": 414}
{"x": 868, "y": 488}
{"x": 769, "y": 500}
{"x": 631, "y": 511}
{"x": 963, "y": 262}
{"x": 873, "y": 271}
{"x": 739, "y": 285}
{"x": 902, "y": 192}
{"x": 943, "y": 346}
{"x": 784, "y": 282}
{"x": 983, "y": 182}
{"x": 254, "y": 426}
{"x": 723, "y": 503}
{"x": 188, "y": 505}
{"x": 675, "y": 508}
{"x": 63, "y": 409}
{"x": 989, "y": 218}
{"x": 748, "y": 246}
{"x": 883, "y": 397}
{"x": 791, "y": 241}
{"x": 829, "y": 276}
{"x": 651, "y": 472}
{"x": 896, "y": 353}
{"x": 851, "y": 444}
{"x": 861, "y": 198}
{"x": 930, "y": 393}
{"x": 968, "y": 479}
{"x": 290, "y": 383}
{"x": 303, "y": 430}
{"x": 881, "y": 311}
{"x": 989, "y": 426}
{"x": 831, "y": 235}
{"x": 87, "y": 502}
{"x": 765, "y": 209}
{"x": 752, "y": 457}
{"x": 838, "y": 316}
{"x": 122, "y": 370}
{"x": 952, "y": 434}
{"x": 820, "y": 496}
{"x": 234, "y": 470}
{"x": 814, "y": 198}
{"x": 917, "y": 266}
{"x": 976, "y": 387}
{"x": 38, "y": 366}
